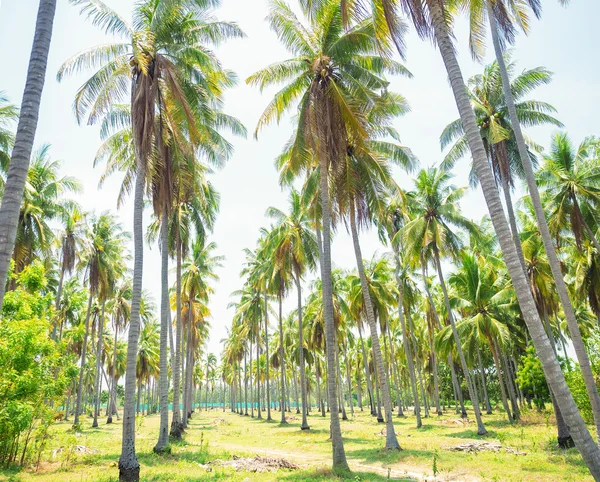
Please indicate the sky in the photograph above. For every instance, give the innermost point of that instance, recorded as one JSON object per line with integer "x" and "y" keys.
{"x": 565, "y": 41}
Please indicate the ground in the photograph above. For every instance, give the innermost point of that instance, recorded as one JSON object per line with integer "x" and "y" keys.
{"x": 527, "y": 452}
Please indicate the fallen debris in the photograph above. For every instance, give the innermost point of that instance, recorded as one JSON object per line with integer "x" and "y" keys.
{"x": 257, "y": 464}
{"x": 80, "y": 449}
{"x": 475, "y": 447}
{"x": 457, "y": 421}
{"x": 220, "y": 421}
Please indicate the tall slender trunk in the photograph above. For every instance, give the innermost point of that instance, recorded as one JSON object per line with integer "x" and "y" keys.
{"x": 500, "y": 379}
{"x": 83, "y": 355}
{"x": 99, "y": 349}
{"x": 472, "y": 392}
{"x": 366, "y": 367}
{"x": 405, "y": 341}
{"x": 176, "y": 425}
{"x": 129, "y": 468}
{"x": 395, "y": 372}
{"x": 165, "y": 308}
{"x": 512, "y": 220}
{"x": 339, "y": 454}
{"x": 258, "y": 409}
{"x": 245, "y": 384}
{"x": 58, "y": 297}
{"x": 28, "y": 121}
{"x": 304, "y": 425}
{"x": 484, "y": 383}
{"x": 113, "y": 384}
{"x": 281, "y": 359}
{"x": 583, "y": 440}
{"x": 269, "y": 418}
{"x": 391, "y": 442}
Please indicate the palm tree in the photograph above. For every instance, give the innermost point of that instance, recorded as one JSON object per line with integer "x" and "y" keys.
{"x": 9, "y": 114}
{"x": 102, "y": 258}
{"x": 23, "y": 145}
{"x": 429, "y": 236}
{"x": 569, "y": 176}
{"x": 42, "y": 203}
{"x": 487, "y": 99}
{"x": 295, "y": 245}
{"x": 322, "y": 79}
{"x": 162, "y": 57}
{"x": 431, "y": 20}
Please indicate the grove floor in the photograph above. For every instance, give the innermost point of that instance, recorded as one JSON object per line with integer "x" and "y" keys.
{"x": 426, "y": 454}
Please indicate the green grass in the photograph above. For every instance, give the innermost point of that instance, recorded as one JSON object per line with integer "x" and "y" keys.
{"x": 216, "y": 435}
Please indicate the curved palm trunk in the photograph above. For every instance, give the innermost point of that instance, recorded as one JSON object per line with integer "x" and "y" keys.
{"x": 406, "y": 343}
{"x": 339, "y": 455}
{"x": 304, "y": 425}
{"x": 83, "y": 355}
{"x": 165, "y": 308}
{"x": 269, "y": 418}
{"x": 512, "y": 220}
{"x": 281, "y": 361}
{"x": 98, "y": 383}
{"x": 28, "y": 121}
{"x": 472, "y": 392}
{"x": 391, "y": 442}
{"x": 561, "y": 287}
{"x": 129, "y": 468}
{"x": 176, "y": 425}
{"x": 554, "y": 376}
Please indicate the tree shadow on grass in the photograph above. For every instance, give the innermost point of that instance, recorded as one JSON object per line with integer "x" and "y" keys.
{"x": 386, "y": 456}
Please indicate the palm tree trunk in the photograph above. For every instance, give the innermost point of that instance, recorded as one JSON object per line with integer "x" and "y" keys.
{"x": 512, "y": 220}
{"x": 561, "y": 287}
{"x": 129, "y": 468}
{"x": 113, "y": 384}
{"x": 245, "y": 383}
{"x": 500, "y": 379}
{"x": 391, "y": 442}
{"x": 176, "y": 425}
{"x": 484, "y": 383}
{"x": 472, "y": 392}
{"x": 58, "y": 297}
{"x": 339, "y": 455}
{"x": 258, "y": 409}
{"x": 267, "y": 358}
{"x": 165, "y": 308}
{"x": 304, "y": 425}
{"x": 405, "y": 341}
{"x": 395, "y": 372}
{"x": 281, "y": 360}
{"x": 511, "y": 386}
{"x": 98, "y": 383}
{"x": 83, "y": 355}
{"x": 554, "y": 376}
{"x": 21, "y": 153}
{"x": 366, "y": 367}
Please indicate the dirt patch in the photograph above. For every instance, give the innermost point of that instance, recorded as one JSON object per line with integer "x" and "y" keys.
{"x": 258, "y": 464}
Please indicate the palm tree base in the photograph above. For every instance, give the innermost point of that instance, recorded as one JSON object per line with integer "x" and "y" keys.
{"x": 482, "y": 431}
{"x": 176, "y": 430}
{"x": 566, "y": 442}
{"x": 305, "y": 427}
{"x": 129, "y": 474}
{"x": 109, "y": 420}
{"x": 380, "y": 420}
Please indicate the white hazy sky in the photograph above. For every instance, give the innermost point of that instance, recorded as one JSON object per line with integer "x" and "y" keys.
{"x": 565, "y": 41}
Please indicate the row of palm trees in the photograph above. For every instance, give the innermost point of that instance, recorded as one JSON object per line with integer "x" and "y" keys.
{"x": 158, "y": 94}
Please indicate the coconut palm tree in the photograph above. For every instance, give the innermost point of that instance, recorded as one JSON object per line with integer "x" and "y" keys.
{"x": 9, "y": 114}
{"x": 295, "y": 245}
{"x": 102, "y": 259}
{"x": 43, "y": 202}
{"x": 321, "y": 78}
{"x": 489, "y": 105}
{"x": 430, "y": 236}
{"x": 23, "y": 145}
{"x": 162, "y": 56}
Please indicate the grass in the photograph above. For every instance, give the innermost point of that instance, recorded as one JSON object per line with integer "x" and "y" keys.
{"x": 221, "y": 435}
